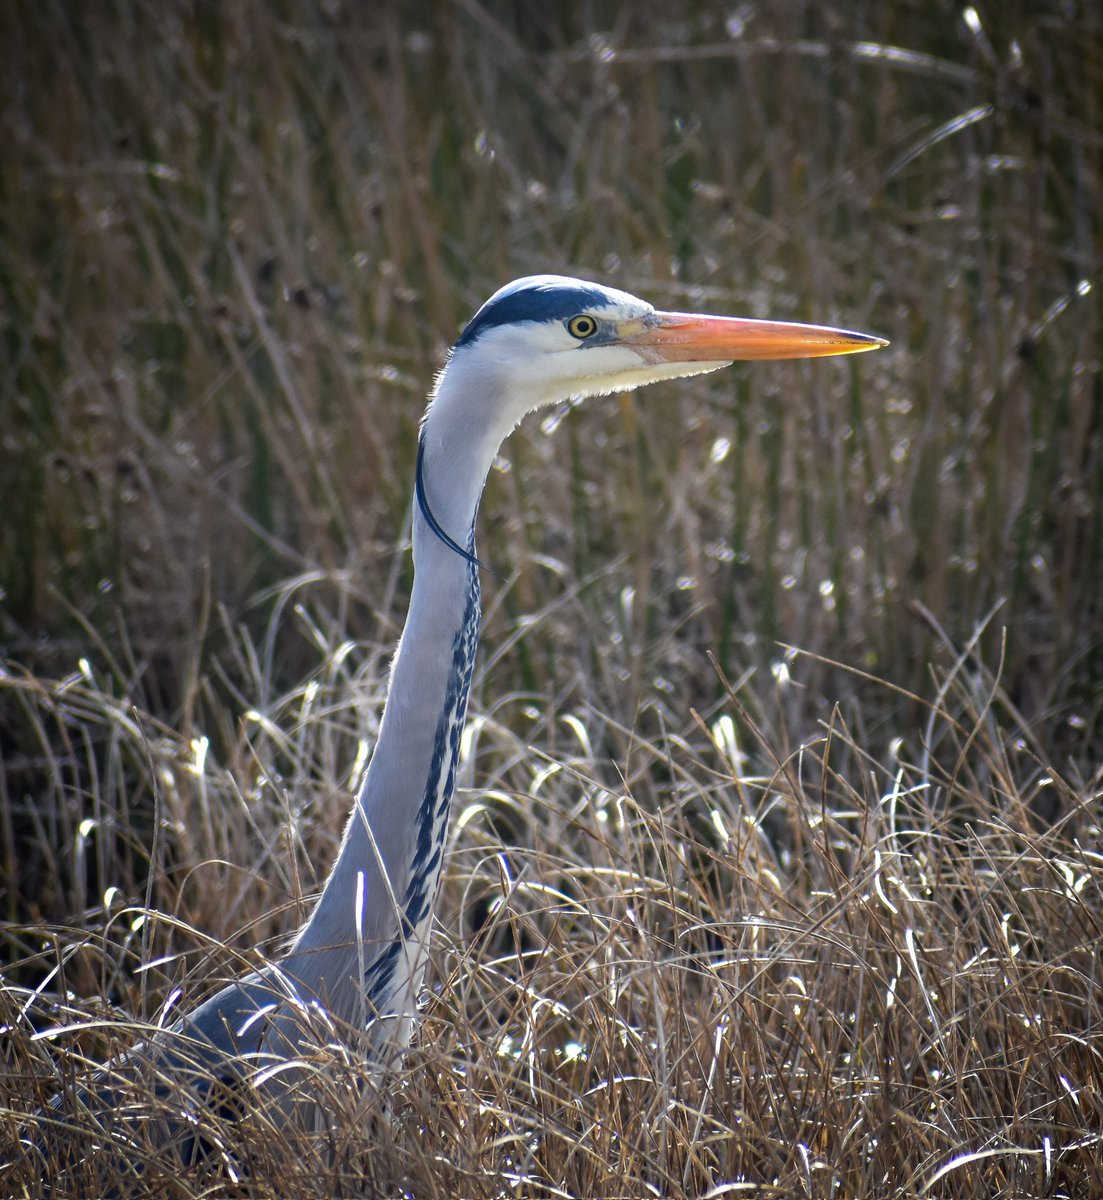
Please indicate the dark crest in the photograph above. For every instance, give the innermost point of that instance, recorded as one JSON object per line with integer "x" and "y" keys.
{"x": 537, "y": 298}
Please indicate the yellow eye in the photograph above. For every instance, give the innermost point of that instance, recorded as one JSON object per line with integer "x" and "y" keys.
{"x": 582, "y": 326}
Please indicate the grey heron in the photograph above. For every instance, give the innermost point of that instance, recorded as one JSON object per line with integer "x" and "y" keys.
{"x": 359, "y": 959}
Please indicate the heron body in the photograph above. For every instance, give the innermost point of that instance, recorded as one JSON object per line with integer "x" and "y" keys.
{"x": 359, "y": 959}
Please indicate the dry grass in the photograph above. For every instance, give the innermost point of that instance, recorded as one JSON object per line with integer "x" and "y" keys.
{"x": 832, "y": 976}
{"x": 801, "y": 934}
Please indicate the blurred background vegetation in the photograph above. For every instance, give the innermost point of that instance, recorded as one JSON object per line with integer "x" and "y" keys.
{"x": 237, "y": 239}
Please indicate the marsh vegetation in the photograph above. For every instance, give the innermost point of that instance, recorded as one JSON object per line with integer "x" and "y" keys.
{"x": 776, "y": 867}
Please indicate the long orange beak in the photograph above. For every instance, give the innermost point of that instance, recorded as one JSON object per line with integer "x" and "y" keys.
{"x": 687, "y": 337}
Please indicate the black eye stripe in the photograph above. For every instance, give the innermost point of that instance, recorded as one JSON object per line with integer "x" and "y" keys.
{"x": 539, "y": 299}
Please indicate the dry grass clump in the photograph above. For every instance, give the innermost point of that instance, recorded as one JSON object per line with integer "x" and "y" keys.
{"x": 730, "y": 966}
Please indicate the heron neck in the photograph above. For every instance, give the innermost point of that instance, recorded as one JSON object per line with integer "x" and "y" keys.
{"x": 371, "y": 922}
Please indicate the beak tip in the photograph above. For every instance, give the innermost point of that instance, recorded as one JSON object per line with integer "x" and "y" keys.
{"x": 861, "y": 342}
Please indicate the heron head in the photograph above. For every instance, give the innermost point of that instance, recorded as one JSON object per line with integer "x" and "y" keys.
{"x": 544, "y": 338}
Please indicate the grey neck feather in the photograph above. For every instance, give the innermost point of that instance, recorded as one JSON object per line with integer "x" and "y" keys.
{"x": 365, "y": 964}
